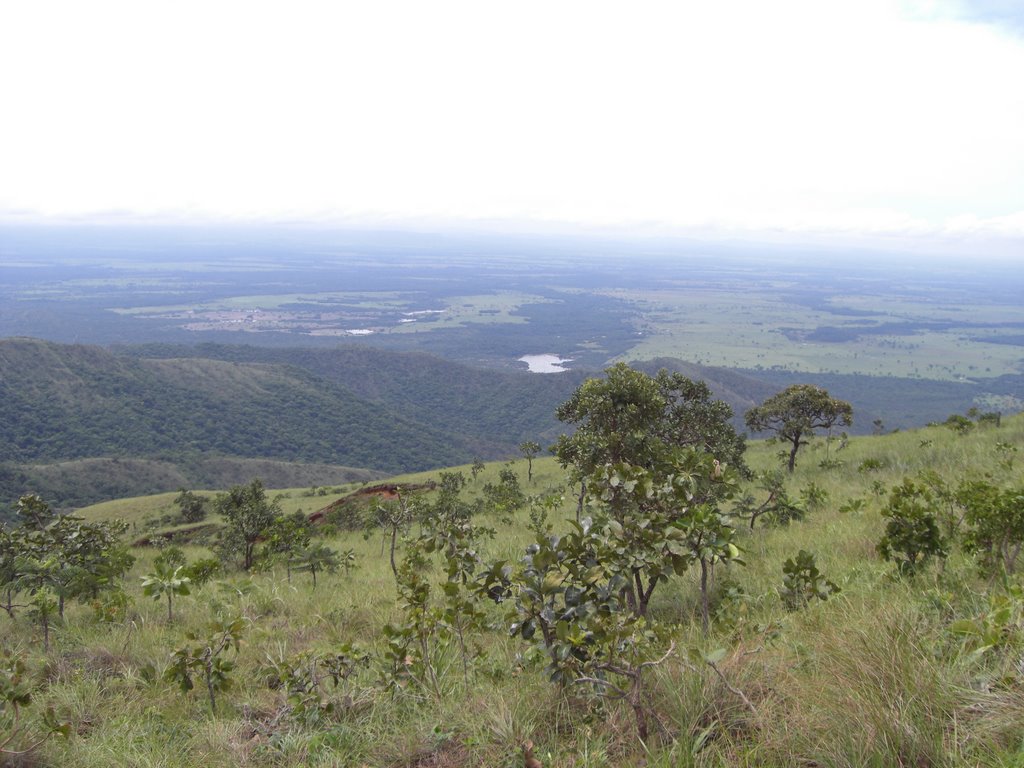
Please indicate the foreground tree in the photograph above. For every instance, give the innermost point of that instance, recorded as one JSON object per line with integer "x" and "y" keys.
{"x": 794, "y": 413}
{"x": 318, "y": 557}
{"x": 655, "y": 473}
{"x": 995, "y": 519}
{"x": 287, "y": 538}
{"x": 249, "y": 514}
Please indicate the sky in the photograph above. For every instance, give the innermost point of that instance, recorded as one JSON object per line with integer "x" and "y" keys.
{"x": 867, "y": 121}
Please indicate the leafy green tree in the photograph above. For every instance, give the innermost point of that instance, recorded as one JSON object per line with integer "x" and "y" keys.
{"x": 655, "y": 479}
{"x": 170, "y": 557}
{"x": 304, "y": 677}
{"x": 287, "y": 538}
{"x": 166, "y": 581}
{"x": 42, "y": 608}
{"x": 693, "y": 419}
{"x": 428, "y": 627}
{"x": 394, "y": 517}
{"x": 777, "y": 508}
{"x": 794, "y": 413}
{"x": 448, "y": 504}
{"x": 33, "y": 513}
{"x": 568, "y": 607}
{"x": 201, "y": 571}
{"x": 529, "y": 449}
{"x": 249, "y": 514}
{"x": 959, "y": 424}
{"x": 477, "y": 467}
{"x": 410, "y": 646}
{"x": 629, "y": 417}
{"x": 995, "y": 520}
{"x": 191, "y": 507}
{"x": 73, "y": 558}
{"x": 505, "y": 496}
{"x": 613, "y": 417}
{"x": 12, "y": 550}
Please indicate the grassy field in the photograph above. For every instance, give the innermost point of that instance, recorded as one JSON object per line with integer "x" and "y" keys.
{"x": 766, "y": 328}
{"x": 872, "y": 677}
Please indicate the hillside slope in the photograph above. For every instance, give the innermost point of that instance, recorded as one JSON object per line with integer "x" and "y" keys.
{"x": 176, "y": 410}
{"x": 484, "y": 403}
{"x": 65, "y": 402}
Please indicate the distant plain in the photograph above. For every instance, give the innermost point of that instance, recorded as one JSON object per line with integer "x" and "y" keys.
{"x": 489, "y": 301}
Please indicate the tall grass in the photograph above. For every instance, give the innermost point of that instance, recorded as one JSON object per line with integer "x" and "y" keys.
{"x": 872, "y": 677}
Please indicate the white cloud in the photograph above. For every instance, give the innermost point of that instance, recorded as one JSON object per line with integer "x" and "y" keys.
{"x": 802, "y": 115}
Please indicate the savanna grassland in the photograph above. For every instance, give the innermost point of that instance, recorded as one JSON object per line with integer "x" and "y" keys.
{"x": 922, "y": 669}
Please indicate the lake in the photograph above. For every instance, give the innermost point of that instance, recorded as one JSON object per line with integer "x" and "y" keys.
{"x": 545, "y": 363}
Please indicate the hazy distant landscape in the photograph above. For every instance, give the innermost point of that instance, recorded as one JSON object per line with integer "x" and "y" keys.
{"x": 491, "y": 300}
{"x": 331, "y": 329}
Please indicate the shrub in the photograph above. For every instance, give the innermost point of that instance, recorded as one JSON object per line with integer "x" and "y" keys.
{"x": 803, "y": 582}
{"x": 995, "y": 518}
{"x": 871, "y": 465}
{"x": 912, "y": 535}
{"x": 202, "y": 570}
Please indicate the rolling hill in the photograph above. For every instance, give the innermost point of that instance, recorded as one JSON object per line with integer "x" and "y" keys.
{"x": 324, "y": 416}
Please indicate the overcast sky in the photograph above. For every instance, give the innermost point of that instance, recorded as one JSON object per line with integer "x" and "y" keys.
{"x": 856, "y": 119}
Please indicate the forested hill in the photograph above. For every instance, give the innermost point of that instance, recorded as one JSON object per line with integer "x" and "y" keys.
{"x": 70, "y": 401}
{"x": 487, "y": 404}
{"x": 351, "y": 406}
{"x": 498, "y": 408}
{"x": 348, "y": 407}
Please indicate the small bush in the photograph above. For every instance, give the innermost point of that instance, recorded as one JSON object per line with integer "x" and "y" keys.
{"x": 203, "y": 570}
{"x": 803, "y": 582}
{"x": 912, "y": 536}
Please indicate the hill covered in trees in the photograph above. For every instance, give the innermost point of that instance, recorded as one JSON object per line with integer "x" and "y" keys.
{"x": 321, "y": 414}
{"x": 171, "y": 415}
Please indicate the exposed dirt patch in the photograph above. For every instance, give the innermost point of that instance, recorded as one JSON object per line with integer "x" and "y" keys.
{"x": 349, "y": 511}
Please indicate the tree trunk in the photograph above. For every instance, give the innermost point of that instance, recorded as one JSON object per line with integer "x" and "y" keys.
{"x": 636, "y": 697}
{"x": 209, "y": 689}
{"x": 170, "y": 617}
{"x": 704, "y": 613}
{"x": 792, "y": 454}
{"x": 394, "y": 540}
